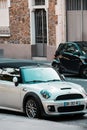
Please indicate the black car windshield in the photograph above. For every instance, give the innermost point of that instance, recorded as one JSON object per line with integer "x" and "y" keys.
{"x": 38, "y": 75}
{"x": 83, "y": 47}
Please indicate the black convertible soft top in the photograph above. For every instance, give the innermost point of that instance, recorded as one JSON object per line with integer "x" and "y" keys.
{"x": 16, "y": 63}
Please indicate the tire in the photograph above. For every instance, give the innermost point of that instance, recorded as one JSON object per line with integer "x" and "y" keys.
{"x": 32, "y": 109}
{"x": 84, "y": 72}
{"x": 55, "y": 66}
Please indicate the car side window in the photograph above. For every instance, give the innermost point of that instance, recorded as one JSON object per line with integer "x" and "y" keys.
{"x": 70, "y": 48}
{"x": 7, "y": 74}
{"x": 61, "y": 48}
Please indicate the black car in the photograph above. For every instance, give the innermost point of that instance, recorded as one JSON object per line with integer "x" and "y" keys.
{"x": 72, "y": 57}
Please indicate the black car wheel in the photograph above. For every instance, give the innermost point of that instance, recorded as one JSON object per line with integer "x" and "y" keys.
{"x": 55, "y": 66}
{"x": 32, "y": 108}
{"x": 84, "y": 72}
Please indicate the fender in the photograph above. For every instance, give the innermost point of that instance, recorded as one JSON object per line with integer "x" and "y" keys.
{"x": 56, "y": 60}
{"x": 36, "y": 97}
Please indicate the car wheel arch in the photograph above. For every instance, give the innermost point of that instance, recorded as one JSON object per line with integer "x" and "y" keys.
{"x": 36, "y": 98}
{"x": 81, "y": 69}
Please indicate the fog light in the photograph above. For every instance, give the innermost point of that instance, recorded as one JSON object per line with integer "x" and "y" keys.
{"x": 51, "y": 108}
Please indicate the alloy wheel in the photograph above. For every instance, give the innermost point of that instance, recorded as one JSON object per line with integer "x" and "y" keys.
{"x": 32, "y": 108}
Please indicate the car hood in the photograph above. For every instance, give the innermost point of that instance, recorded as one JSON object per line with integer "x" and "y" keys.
{"x": 58, "y": 88}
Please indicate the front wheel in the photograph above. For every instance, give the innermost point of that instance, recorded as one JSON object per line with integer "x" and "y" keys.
{"x": 84, "y": 72}
{"x": 55, "y": 66}
{"x": 32, "y": 108}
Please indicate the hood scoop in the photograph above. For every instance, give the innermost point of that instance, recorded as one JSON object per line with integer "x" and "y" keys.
{"x": 65, "y": 88}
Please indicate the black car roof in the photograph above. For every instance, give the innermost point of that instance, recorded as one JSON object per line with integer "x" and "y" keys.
{"x": 78, "y": 42}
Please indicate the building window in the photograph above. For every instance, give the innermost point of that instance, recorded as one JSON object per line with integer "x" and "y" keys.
{"x": 40, "y": 26}
{"x": 38, "y": 21}
{"x": 84, "y": 4}
{"x": 76, "y": 4}
{"x": 73, "y": 5}
{"x": 4, "y": 21}
{"x": 3, "y": 4}
{"x": 39, "y": 2}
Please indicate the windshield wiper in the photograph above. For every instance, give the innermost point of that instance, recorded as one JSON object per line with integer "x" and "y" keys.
{"x": 53, "y": 80}
{"x": 34, "y": 81}
{"x": 38, "y": 81}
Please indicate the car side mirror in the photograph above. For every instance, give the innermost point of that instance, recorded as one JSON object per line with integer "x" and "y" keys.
{"x": 63, "y": 77}
{"x": 15, "y": 80}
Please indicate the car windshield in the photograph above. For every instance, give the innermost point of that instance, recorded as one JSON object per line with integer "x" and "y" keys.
{"x": 38, "y": 75}
{"x": 83, "y": 47}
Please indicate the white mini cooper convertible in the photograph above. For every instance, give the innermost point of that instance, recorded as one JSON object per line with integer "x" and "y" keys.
{"x": 38, "y": 91}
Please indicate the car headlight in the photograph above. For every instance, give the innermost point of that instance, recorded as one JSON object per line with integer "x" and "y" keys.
{"x": 45, "y": 94}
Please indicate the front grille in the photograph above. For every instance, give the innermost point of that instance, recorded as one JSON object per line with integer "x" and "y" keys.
{"x": 69, "y": 97}
{"x": 71, "y": 108}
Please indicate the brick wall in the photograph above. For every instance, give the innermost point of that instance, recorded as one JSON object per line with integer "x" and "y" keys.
{"x": 52, "y": 21}
{"x": 19, "y": 23}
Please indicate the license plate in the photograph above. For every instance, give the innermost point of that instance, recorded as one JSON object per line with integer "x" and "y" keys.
{"x": 72, "y": 103}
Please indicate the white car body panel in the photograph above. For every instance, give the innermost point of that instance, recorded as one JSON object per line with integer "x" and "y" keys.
{"x": 12, "y": 96}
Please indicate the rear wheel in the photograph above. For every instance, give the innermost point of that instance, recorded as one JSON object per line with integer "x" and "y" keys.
{"x": 32, "y": 108}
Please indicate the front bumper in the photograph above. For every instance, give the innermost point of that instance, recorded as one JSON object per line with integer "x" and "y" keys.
{"x": 65, "y": 107}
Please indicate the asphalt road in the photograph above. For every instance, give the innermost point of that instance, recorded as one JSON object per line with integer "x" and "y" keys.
{"x": 15, "y": 121}
{"x": 76, "y": 79}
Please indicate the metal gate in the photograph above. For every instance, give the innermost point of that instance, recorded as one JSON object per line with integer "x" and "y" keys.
{"x": 76, "y": 20}
{"x": 40, "y": 32}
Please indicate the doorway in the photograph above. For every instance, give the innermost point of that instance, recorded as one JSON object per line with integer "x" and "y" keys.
{"x": 76, "y": 20}
{"x": 41, "y": 32}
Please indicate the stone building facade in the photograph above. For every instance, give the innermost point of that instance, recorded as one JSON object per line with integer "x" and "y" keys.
{"x": 34, "y": 30}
